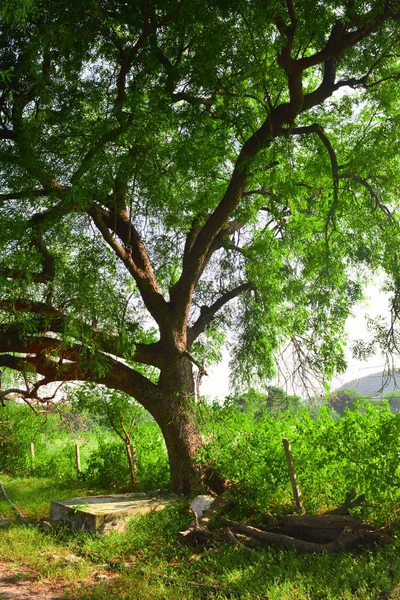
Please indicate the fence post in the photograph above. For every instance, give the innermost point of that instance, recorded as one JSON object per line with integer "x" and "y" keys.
{"x": 78, "y": 457}
{"x": 293, "y": 475}
{"x": 32, "y": 457}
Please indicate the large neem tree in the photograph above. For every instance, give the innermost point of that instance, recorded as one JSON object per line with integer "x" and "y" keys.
{"x": 173, "y": 168}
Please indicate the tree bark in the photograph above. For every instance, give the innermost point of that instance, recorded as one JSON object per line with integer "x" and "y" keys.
{"x": 177, "y": 421}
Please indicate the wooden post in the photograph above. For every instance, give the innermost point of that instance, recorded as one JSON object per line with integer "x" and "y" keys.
{"x": 78, "y": 457}
{"x": 32, "y": 457}
{"x": 293, "y": 475}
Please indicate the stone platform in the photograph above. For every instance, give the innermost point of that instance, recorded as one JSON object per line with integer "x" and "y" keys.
{"x": 101, "y": 514}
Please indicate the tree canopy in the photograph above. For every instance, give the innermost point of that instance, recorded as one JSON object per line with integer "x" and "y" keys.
{"x": 171, "y": 170}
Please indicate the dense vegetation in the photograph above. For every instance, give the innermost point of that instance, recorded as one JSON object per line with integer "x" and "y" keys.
{"x": 171, "y": 170}
{"x": 332, "y": 454}
{"x": 243, "y": 438}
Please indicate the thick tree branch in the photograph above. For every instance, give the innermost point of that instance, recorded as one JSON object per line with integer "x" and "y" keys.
{"x": 49, "y": 270}
{"x": 54, "y": 323}
{"x": 195, "y": 260}
{"x": 341, "y": 38}
{"x": 6, "y": 134}
{"x": 118, "y": 376}
{"x": 133, "y": 255}
{"x": 207, "y": 313}
{"x": 286, "y": 61}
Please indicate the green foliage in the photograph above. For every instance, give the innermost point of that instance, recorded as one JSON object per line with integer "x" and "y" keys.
{"x": 332, "y": 456}
{"x": 103, "y": 458}
{"x": 107, "y": 466}
{"x": 197, "y": 87}
{"x": 56, "y": 457}
{"x": 18, "y": 428}
{"x": 114, "y": 415}
{"x": 274, "y": 401}
{"x": 393, "y": 398}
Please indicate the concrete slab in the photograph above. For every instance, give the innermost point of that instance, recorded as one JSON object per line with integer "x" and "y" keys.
{"x": 97, "y": 513}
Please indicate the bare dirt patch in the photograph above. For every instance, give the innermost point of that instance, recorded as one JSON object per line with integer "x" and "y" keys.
{"x": 19, "y": 583}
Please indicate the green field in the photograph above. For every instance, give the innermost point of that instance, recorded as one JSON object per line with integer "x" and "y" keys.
{"x": 148, "y": 562}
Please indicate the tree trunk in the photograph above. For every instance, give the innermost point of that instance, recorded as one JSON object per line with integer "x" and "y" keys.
{"x": 183, "y": 441}
{"x": 172, "y": 404}
{"x": 177, "y": 420}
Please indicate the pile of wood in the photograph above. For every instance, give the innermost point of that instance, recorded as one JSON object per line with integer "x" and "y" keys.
{"x": 335, "y": 531}
{"x": 327, "y": 533}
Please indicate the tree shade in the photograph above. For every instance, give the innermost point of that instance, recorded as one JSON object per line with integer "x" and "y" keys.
{"x": 170, "y": 170}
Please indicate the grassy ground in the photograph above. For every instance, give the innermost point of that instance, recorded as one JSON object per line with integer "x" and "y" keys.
{"x": 146, "y": 562}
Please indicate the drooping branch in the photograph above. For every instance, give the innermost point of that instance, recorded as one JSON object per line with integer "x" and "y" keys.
{"x": 317, "y": 129}
{"x": 374, "y": 195}
{"x": 117, "y": 375}
{"x": 207, "y": 313}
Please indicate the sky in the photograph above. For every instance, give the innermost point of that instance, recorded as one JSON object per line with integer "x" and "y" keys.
{"x": 216, "y": 385}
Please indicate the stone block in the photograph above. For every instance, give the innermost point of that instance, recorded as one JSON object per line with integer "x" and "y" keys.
{"x": 94, "y": 513}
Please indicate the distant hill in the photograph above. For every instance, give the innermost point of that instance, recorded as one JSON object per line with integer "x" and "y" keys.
{"x": 375, "y": 385}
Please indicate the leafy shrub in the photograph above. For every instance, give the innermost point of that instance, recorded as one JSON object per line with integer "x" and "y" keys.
{"x": 19, "y": 426}
{"x": 56, "y": 459}
{"x": 332, "y": 455}
{"x": 108, "y": 467}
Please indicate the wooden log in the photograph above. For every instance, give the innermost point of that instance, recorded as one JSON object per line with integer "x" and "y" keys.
{"x": 232, "y": 539}
{"x": 318, "y": 528}
{"x": 328, "y": 521}
{"x": 293, "y": 475}
{"x": 198, "y": 536}
{"x": 345, "y": 540}
{"x": 220, "y": 504}
{"x": 198, "y": 533}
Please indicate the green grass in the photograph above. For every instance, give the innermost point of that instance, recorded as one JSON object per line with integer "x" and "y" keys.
{"x": 146, "y": 562}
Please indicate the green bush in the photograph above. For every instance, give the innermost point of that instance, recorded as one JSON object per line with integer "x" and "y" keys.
{"x": 107, "y": 465}
{"x": 332, "y": 455}
{"x": 56, "y": 459}
{"x": 19, "y": 426}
